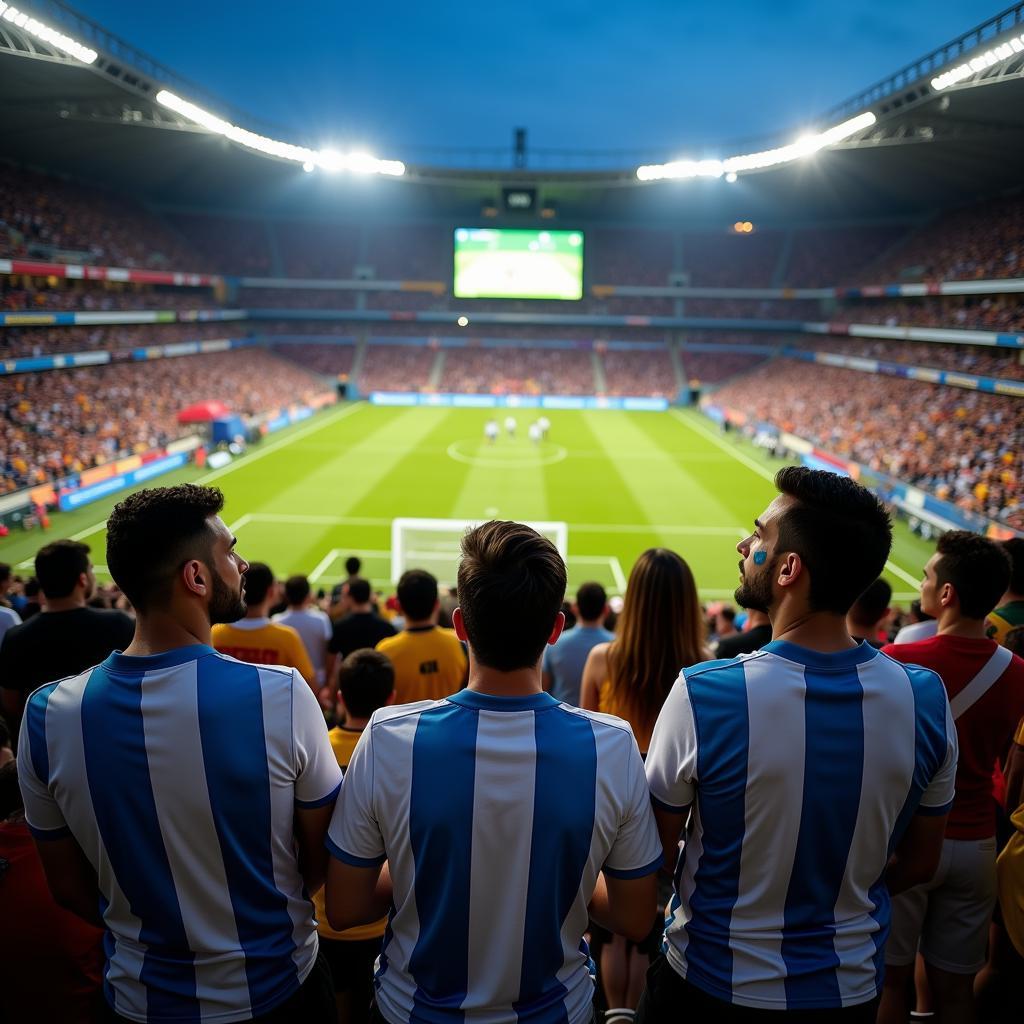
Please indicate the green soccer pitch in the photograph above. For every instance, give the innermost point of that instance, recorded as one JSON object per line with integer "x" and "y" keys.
{"x": 307, "y": 498}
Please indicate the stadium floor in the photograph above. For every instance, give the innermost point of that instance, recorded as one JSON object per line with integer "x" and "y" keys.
{"x": 330, "y": 487}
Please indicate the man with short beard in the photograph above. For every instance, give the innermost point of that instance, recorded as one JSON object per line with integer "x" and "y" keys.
{"x": 180, "y": 798}
{"x": 819, "y": 774}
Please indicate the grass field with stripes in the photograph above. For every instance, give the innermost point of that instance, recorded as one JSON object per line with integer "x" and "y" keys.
{"x": 305, "y": 499}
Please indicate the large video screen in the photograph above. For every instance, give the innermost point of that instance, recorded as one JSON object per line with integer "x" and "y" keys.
{"x": 511, "y": 263}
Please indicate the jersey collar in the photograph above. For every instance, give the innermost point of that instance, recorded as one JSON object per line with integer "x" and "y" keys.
{"x": 118, "y": 662}
{"x": 487, "y": 702}
{"x": 835, "y": 662}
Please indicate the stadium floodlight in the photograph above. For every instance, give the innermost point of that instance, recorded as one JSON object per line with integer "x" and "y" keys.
{"x": 735, "y": 165}
{"x": 327, "y": 159}
{"x": 58, "y": 40}
{"x": 997, "y": 55}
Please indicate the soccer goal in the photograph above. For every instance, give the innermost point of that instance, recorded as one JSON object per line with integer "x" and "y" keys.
{"x": 433, "y": 544}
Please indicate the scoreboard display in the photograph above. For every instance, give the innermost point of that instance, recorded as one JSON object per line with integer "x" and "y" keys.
{"x": 516, "y": 263}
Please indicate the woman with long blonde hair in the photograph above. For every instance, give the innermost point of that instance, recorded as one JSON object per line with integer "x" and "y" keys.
{"x": 660, "y": 632}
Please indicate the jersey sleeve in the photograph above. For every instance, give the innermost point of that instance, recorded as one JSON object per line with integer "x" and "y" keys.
{"x": 44, "y": 817}
{"x": 354, "y": 836}
{"x": 317, "y": 775}
{"x": 672, "y": 756}
{"x": 637, "y": 848}
{"x": 938, "y": 797}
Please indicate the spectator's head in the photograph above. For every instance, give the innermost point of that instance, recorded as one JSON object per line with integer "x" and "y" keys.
{"x": 296, "y": 591}
{"x": 366, "y": 682}
{"x": 417, "y": 596}
{"x": 170, "y": 552}
{"x": 918, "y": 614}
{"x": 661, "y": 630}
{"x": 10, "y": 792}
{"x": 352, "y": 566}
{"x": 817, "y": 546}
{"x": 260, "y": 587}
{"x": 5, "y": 577}
{"x": 591, "y": 604}
{"x": 569, "y": 615}
{"x": 64, "y": 570}
{"x": 966, "y": 576}
{"x": 1014, "y": 547}
{"x": 869, "y": 609}
{"x": 511, "y": 584}
{"x": 725, "y": 621}
{"x": 32, "y": 589}
{"x": 359, "y": 591}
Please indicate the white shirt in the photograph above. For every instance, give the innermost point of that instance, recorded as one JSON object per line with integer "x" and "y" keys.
{"x": 314, "y": 627}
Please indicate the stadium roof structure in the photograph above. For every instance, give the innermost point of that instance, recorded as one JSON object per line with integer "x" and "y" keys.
{"x": 943, "y": 130}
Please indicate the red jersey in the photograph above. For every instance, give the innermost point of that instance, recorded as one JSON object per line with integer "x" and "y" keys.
{"x": 983, "y": 731}
{"x": 53, "y": 961}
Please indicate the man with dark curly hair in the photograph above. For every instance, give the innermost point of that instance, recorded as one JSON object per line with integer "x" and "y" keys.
{"x": 180, "y": 798}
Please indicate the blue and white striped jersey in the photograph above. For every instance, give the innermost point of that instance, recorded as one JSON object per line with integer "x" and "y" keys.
{"x": 178, "y": 775}
{"x": 803, "y": 771}
{"x": 496, "y": 815}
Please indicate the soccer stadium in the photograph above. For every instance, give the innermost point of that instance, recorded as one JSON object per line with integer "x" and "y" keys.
{"x": 794, "y": 366}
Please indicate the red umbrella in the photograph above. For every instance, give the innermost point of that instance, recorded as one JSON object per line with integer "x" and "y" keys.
{"x": 204, "y": 412}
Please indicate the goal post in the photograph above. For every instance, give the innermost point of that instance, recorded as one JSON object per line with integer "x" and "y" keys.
{"x": 434, "y": 544}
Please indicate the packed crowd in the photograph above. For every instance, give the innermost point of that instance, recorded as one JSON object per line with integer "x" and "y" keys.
{"x": 642, "y": 372}
{"x": 964, "y": 446}
{"x": 63, "y": 421}
{"x": 821, "y": 257}
{"x": 43, "y": 217}
{"x": 40, "y": 341}
{"x": 329, "y": 360}
{"x": 983, "y": 360}
{"x": 453, "y": 737}
{"x": 977, "y": 242}
{"x": 711, "y": 368}
{"x": 36, "y": 293}
{"x": 989, "y": 313}
{"x": 524, "y": 371}
{"x": 397, "y": 368}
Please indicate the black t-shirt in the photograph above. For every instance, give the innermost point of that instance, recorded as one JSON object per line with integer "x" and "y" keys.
{"x": 359, "y": 630}
{"x": 52, "y": 645}
{"x": 743, "y": 643}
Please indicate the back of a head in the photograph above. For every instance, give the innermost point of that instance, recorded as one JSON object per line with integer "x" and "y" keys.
{"x": 353, "y": 565}
{"x": 359, "y": 591}
{"x": 840, "y": 530}
{"x": 296, "y": 590}
{"x": 1014, "y": 547}
{"x": 5, "y": 574}
{"x": 977, "y": 568}
{"x": 417, "y": 594}
{"x": 660, "y": 631}
{"x": 511, "y": 584}
{"x": 872, "y": 604}
{"x": 259, "y": 578}
{"x": 59, "y": 565}
{"x": 366, "y": 681}
{"x": 152, "y": 533}
{"x": 591, "y": 600}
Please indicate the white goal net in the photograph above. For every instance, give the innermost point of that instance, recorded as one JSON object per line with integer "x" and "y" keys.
{"x": 433, "y": 544}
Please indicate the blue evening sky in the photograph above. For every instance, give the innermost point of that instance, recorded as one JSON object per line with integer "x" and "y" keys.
{"x": 664, "y": 74}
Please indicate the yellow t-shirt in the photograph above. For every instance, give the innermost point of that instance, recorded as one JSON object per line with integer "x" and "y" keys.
{"x": 267, "y": 643}
{"x": 1003, "y": 619}
{"x": 344, "y": 741}
{"x": 430, "y": 663}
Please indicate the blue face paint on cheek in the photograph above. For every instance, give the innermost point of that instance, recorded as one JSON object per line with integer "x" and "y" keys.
{"x": 760, "y": 557}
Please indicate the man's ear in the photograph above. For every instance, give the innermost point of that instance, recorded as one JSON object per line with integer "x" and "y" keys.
{"x": 196, "y": 578}
{"x": 556, "y": 631}
{"x": 459, "y": 625}
{"x": 790, "y": 571}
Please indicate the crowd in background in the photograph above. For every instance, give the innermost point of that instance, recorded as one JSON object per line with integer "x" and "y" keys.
{"x": 58, "y": 422}
{"x": 964, "y": 446}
